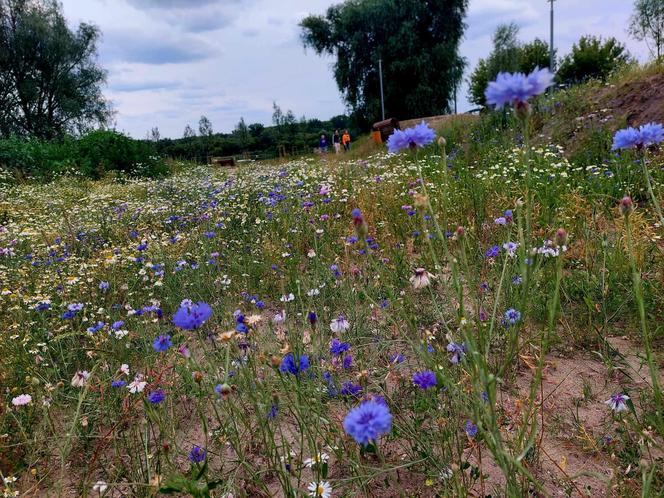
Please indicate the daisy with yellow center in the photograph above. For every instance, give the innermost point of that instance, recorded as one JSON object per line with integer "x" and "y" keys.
{"x": 320, "y": 489}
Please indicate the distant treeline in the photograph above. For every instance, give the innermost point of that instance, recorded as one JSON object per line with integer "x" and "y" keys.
{"x": 256, "y": 141}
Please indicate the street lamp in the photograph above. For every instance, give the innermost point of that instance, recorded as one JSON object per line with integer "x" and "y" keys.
{"x": 382, "y": 96}
{"x": 552, "y": 60}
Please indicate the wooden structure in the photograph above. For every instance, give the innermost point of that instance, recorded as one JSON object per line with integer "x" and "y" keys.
{"x": 383, "y": 129}
{"x": 222, "y": 161}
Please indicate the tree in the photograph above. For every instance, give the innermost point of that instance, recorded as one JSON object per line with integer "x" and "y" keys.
{"x": 154, "y": 135}
{"x": 647, "y": 24}
{"x": 205, "y": 127}
{"x": 508, "y": 54}
{"x": 50, "y": 82}
{"x": 417, "y": 40}
{"x": 506, "y": 50}
{"x": 534, "y": 55}
{"x": 256, "y": 129}
{"x": 592, "y": 57}
{"x": 242, "y": 133}
{"x": 188, "y": 132}
{"x": 503, "y": 57}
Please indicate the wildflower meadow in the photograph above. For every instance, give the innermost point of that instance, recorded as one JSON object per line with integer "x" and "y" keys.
{"x": 469, "y": 311}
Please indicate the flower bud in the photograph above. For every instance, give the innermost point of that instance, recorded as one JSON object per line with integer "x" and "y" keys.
{"x": 626, "y": 205}
{"x": 442, "y": 142}
{"x": 561, "y": 237}
{"x": 522, "y": 110}
{"x": 197, "y": 376}
{"x": 225, "y": 390}
{"x": 460, "y": 231}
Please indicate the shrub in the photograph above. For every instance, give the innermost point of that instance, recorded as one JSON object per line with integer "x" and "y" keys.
{"x": 592, "y": 58}
{"x": 106, "y": 150}
{"x": 93, "y": 155}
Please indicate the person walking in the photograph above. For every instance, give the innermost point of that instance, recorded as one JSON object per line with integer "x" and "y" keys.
{"x": 345, "y": 140}
{"x": 336, "y": 140}
{"x": 323, "y": 143}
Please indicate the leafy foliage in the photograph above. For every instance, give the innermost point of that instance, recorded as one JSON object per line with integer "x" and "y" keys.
{"x": 592, "y": 58}
{"x": 255, "y": 140}
{"x": 417, "y": 40}
{"x": 647, "y": 24}
{"x": 92, "y": 156}
{"x": 49, "y": 78}
{"x": 509, "y": 55}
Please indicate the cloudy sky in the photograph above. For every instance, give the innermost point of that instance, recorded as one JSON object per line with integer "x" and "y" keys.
{"x": 170, "y": 61}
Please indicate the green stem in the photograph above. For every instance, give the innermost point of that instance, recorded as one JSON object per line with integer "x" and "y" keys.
{"x": 655, "y": 202}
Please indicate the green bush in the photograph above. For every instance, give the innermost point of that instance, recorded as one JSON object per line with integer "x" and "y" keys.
{"x": 93, "y": 155}
{"x": 103, "y": 151}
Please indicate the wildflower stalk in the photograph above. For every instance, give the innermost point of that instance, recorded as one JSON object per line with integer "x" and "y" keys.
{"x": 653, "y": 197}
{"x": 496, "y": 300}
{"x": 638, "y": 295}
{"x": 439, "y": 233}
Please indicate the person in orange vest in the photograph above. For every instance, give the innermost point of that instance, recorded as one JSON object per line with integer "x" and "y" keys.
{"x": 345, "y": 140}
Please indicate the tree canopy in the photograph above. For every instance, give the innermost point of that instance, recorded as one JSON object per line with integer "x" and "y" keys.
{"x": 592, "y": 57}
{"x": 50, "y": 82}
{"x": 508, "y": 54}
{"x": 417, "y": 40}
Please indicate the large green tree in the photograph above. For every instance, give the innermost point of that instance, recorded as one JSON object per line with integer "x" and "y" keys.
{"x": 50, "y": 82}
{"x": 417, "y": 40}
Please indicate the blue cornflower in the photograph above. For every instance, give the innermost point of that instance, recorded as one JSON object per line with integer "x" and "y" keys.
{"x": 118, "y": 383}
{"x": 411, "y": 138}
{"x": 96, "y": 328}
{"x": 425, "y": 379}
{"x": 191, "y": 316}
{"x": 43, "y": 306}
{"x": 117, "y": 325}
{"x": 492, "y": 252}
{"x": 162, "y": 343}
{"x": 288, "y": 364}
{"x": 397, "y": 358}
{"x": 104, "y": 286}
{"x": 471, "y": 429}
{"x": 516, "y": 88}
{"x": 197, "y": 454}
{"x": 512, "y": 316}
{"x": 517, "y": 280}
{"x": 628, "y": 138}
{"x": 335, "y": 271}
{"x": 368, "y": 421}
{"x": 156, "y": 397}
{"x": 337, "y": 347}
{"x": 458, "y": 352}
{"x": 356, "y": 214}
{"x": 312, "y": 318}
{"x": 651, "y": 134}
{"x": 350, "y": 389}
{"x": 632, "y": 138}
{"x": 68, "y": 315}
{"x": 274, "y": 409}
{"x": 347, "y": 361}
{"x": 75, "y": 307}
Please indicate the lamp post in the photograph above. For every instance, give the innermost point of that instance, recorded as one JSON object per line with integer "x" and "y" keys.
{"x": 552, "y": 61}
{"x": 382, "y": 97}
